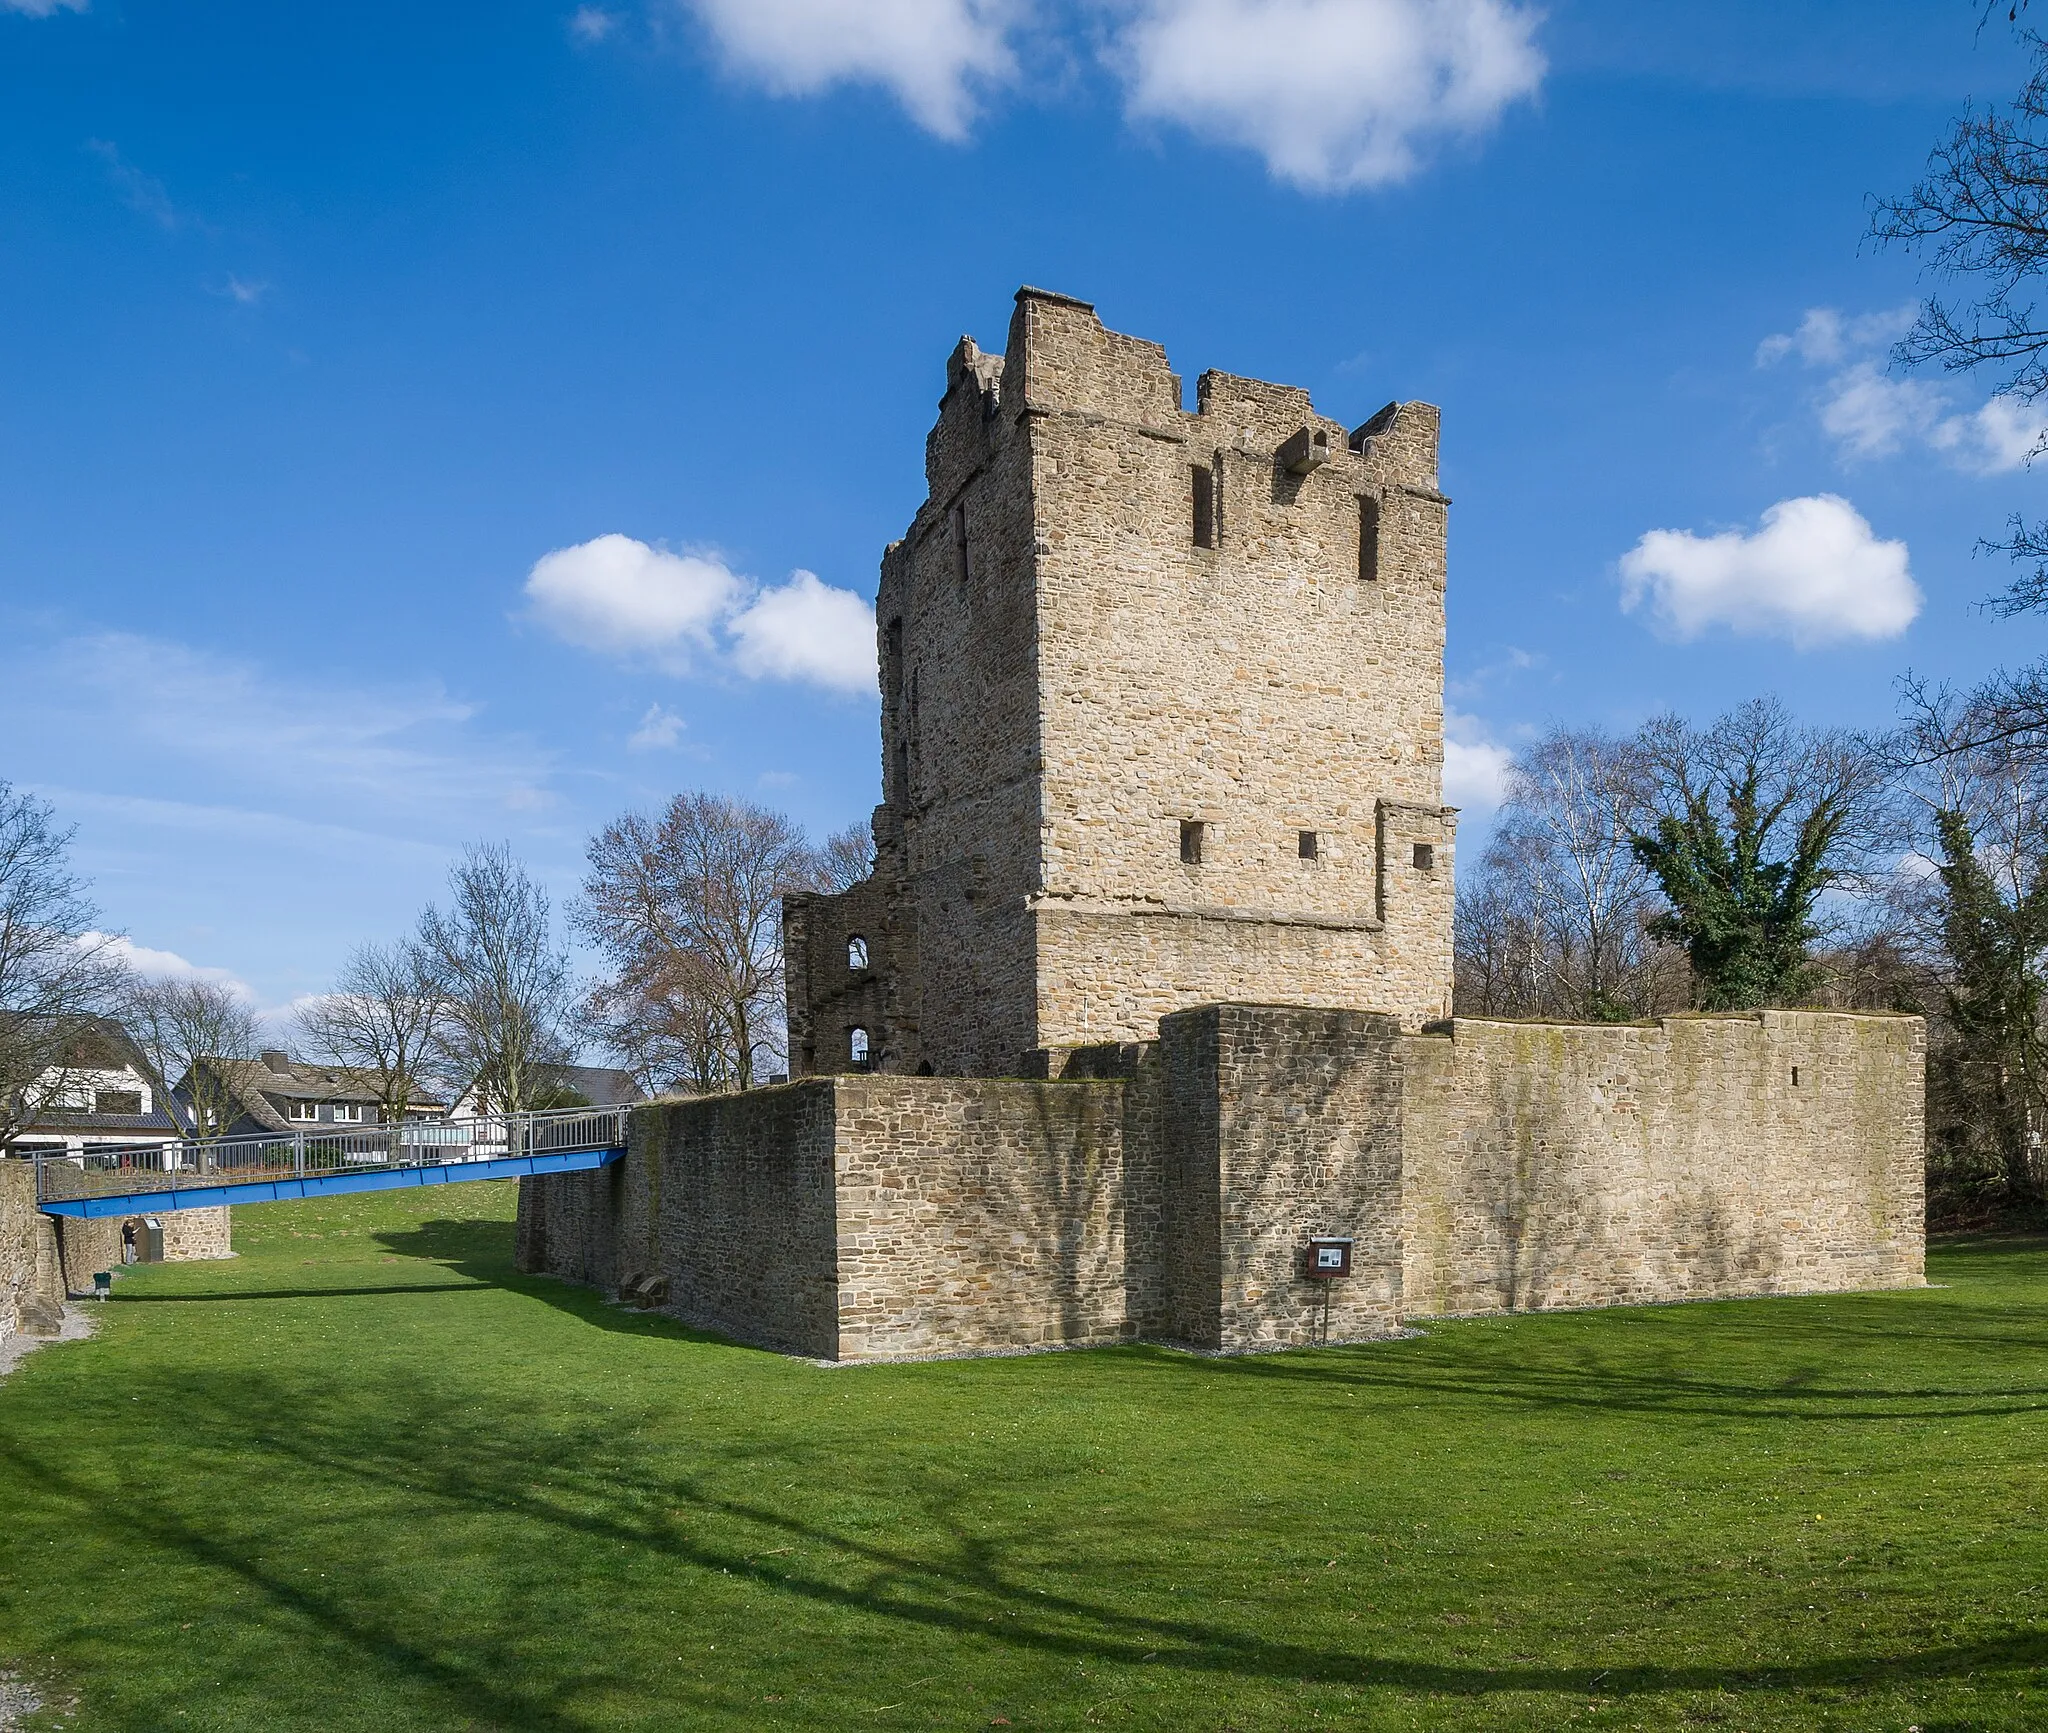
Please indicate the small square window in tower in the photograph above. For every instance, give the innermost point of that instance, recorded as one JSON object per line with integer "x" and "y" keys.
{"x": 1202, "y": 488}
{"x": 1368, "y": 539}
{"x": 1308, "y": 845}
{"x": 1425, "y": 857}
{"x": 1191, "y": 841}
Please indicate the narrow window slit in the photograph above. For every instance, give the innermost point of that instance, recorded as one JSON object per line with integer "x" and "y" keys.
{"x": 1202, "y": 483}
{"x": 1368, "y": 539}
{"x": 1191, "y": 841}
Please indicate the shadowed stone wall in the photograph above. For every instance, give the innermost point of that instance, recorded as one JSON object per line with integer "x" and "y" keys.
{"x": 978, "y": 1216}
{"x": 1282, "y": 1124}
{"x": 1570, "y": 1165}
{"x": 31, "y": 1281}
{"x": 1167, "y": 1189}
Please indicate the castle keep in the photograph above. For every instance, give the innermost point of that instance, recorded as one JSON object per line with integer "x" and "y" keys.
{"x": 1162, "y": 717}
{"x": 1149, "y": 990}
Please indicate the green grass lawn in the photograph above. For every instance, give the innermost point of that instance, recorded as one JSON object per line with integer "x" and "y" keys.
{"x": 366, "y": 1477}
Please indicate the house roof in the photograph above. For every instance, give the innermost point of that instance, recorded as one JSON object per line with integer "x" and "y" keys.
{"x": 600, "y": 1085}
{"x": 254, "y": 1083}
{"x": 102, "y": 1044}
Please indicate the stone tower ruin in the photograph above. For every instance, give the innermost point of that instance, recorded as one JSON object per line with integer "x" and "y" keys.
{"x": 1162, "y": 718}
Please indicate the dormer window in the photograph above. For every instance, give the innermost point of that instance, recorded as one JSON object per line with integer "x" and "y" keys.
{"x": 305, "y": 1110}
{"x": 349, "y": 1112}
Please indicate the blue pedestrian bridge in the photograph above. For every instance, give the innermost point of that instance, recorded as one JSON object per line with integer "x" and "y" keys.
{"x": 203, "y": 1173}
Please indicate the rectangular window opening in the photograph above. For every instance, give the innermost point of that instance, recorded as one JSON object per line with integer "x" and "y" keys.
{"x": 960, "y": 542}
{"x": 1202, "y": 482}
{"x": 1425, "y": 857}
{"x": 1191, "y": 841}
{"x": 1368, "y": 539}
{"x": 1308, "y": 844}
{"x": 1795, "y": 1077}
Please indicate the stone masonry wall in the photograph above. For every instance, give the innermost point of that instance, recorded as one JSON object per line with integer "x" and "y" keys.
{"x": 728, "y": 1197}
{"x": 861, "y": 1218}
{"x": 31, "y": 1284}
{"x": 1283, "y": 1124}
{"x": 90, "y": 1246}
{"x": 1167, "y": 1189}
{"x": 979, "y": 1215}
{"x": 1574, "y": 1165}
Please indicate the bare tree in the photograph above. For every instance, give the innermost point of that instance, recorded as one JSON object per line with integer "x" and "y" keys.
{"x": 1973, "y": 906}
{"x": 666, "y": 1027}
{"x": 687, "y": 907}
{"x": 845, "y": 858}
{"x": 1494, "y": 963}
{"x": 55, "y": 972}
{"x": 505, "y": 990}
{"x": 1979, "y": 218}
{"x": 383, "y": 1018}
{"x": 184, "y": 1029}
{"x": 1557, "y": 922}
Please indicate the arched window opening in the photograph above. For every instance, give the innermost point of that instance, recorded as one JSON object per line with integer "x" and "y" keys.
{"x": 856, "y": 952}
{"x": 857, "y": 1048}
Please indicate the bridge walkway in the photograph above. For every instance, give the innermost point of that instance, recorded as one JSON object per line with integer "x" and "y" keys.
{"x": 317, "y": 1161}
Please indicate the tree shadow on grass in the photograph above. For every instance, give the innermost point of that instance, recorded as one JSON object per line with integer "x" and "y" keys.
{"x": 583, "y": 1493}
{"x": 481, "y": 1250}
{"x": 1802, "y": 1392}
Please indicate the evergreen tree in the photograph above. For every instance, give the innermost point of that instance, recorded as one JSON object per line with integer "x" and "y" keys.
{"x": 1754, "y": 820}
{"x": 1993, "y": 1062}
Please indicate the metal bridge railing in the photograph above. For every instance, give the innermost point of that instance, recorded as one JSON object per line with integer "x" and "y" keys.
{"x": 311, "y": 1151}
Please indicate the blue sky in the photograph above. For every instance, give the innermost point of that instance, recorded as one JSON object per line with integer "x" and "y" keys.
{"x": 322, "y": 328}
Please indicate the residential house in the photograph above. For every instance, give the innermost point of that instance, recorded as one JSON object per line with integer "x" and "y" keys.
{"x": 274, "y": 1093}
{"x": 103, "y": 1095}
{"x": 567, "y": 1086}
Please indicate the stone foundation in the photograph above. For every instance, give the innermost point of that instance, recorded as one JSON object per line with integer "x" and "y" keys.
{"x": 1167, "y": 1190}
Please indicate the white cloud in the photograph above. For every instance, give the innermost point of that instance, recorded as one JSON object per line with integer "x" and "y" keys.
{"x": 156, "y": 965}
{"x": 624, "y": 598}
{"x": 42, "y": 8}
{"x": 592, "y": 23}
{"x": 1870, "y": 414}
{"x": 1812, "y": 573}
{"x": 1332, "y": 93}
{"x": 932, "y": 55}
{"x": 807, "y": 630}
{"x": 2005, "y": 434}
{"x": 1824, "y": 336}
{"x": 243, "y": 290}
{"x": 659, "y": 729}
{"x": 1475, "y": 766}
